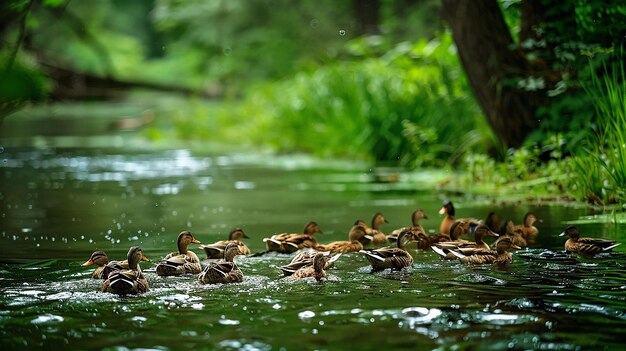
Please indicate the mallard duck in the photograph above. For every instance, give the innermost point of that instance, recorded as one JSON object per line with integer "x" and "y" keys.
{"x": 499, "y": 257}
{"x": 183, "y": 261}
{"x": 104, "y": 265}
{"x": 586, "y": 246}
{"x": 528, "y": 229}
{"x": 356, "y": 233}
{"x": 443, "y": 248}
{"x": 416, "y": 216}
{"x": 128, "y": 281}
{"x": 216, "y": 250}
{"x": 288, "y": 243}
{"x": 316, "y": 270}
{"x": 377, "y": 236}
{"x": 305, "y": 258}
{"x": 449, "y": 219}
{"x": 514, "y": 234}
{"x": 391, "y": 257}
{"x": 224, "y": 271}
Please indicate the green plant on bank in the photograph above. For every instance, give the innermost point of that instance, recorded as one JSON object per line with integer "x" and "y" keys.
{"x": 601, "y": 163}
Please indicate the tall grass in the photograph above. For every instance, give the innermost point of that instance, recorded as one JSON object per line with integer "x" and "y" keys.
{"x": 601, "y": 167}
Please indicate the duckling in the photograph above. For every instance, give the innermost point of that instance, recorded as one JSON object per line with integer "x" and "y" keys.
{"x": 392, "y": 257}
{"x": 443, "y": 248}
{"x": 288, "y": 243}
{"x": 356, "y": 233}
{"x": 529, "y": 231}
{"x": 499, "y": 257}
{"x": 586, "y": 246}
{"x": 224, "y": 271}
{"x": 216, "y": 250}
{"x": 416, "y": 216}
{"x": 514, "y": 234}
{"x": 128, "y": 281}
{"x": 315, "y": 270}
{"x": 305, "y": 258}
{"x": 183, "y": 261}
{"x": 104, "y": 265}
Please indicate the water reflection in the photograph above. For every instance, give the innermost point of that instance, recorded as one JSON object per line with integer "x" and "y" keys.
{"x": 60, "y": 206}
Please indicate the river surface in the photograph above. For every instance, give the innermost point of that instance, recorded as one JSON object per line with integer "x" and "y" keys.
{"x": 59, "y": 205}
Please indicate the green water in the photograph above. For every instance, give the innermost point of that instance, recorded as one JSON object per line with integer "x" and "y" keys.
{"x": 58, "y": 206}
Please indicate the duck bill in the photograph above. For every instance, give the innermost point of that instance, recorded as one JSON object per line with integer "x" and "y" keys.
{"x": 368, "y": 237}
{"x": 442, "y": 211}
{"x": 513, "y": 246}
{"x": 494, "y": 234}
{"x": 386, "y": 221}
{"x": 245, "y": 236}
{"x": 562, "y": 234}
{"x": 425, "y": 217}
{"x": 144, "y": 258}
{"x": 196, "y": 241}
{"x": 88, "y": 263}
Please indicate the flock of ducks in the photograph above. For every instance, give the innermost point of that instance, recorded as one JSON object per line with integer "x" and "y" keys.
{"x": 313, "y": 258}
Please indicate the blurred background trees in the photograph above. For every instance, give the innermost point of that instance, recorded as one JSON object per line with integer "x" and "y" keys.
{"x": 381, "y": 80}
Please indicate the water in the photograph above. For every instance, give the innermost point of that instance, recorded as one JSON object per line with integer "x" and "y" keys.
{"x": 58, "y": 206}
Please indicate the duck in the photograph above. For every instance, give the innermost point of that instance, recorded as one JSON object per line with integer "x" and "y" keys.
{"x": 377, "y": 236}
{"x": 183, "y": 261}
{"x": 449, "y": 219}
{"x": 586, "y": 246}
{"x": 129, "y": 281}
{"x": 391, "y": 257}
{"x": 289, "y": 243}
{"x": 305, "y": 258}
{"x": 416, "y": 216}
{"x": 216, "y": 250}
{"x": 223, "y": 271}
{"x": 499, "y": 257}
{"x": 493, "y": 221}
{"x": 357, "y": 233}
{"x": 528, "y": 229}
{"x": 443, "y": 248}
{"x": 104, "y": 265}
{"x": 315, "y": 270}
{"x": 515, "y": 235}
{"x": 458, "y": 228}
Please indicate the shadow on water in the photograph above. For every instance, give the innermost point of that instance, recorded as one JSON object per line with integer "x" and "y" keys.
{"x": 59, "y": 206}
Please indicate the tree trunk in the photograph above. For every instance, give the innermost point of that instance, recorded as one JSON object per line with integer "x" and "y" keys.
{"x": 493, "y": 68}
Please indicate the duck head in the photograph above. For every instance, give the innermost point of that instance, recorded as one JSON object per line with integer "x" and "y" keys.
{"x": 97, "y": 257}
{"x": 184, "y": 239}
{"x": 571, "y": 231}
{"x": 230, "y": 251}
{"x": 358, "y": 233}
{"x": 378, "y": 219}
{"x": 237, "y": 234}
{"x": 418, "y": 215}
{"x": 448, "y": 208}
{"x": 505, "y": 244}
{"x": 135, "y": 254}
{"x": 312, "y": 228}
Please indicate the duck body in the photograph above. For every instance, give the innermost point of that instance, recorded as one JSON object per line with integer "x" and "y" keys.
{"x": 356, "y": 234}
{"x": 315, "y": 270}
{"x": 499, "y": 257}
{"x": 374, "y": 235}
{"x": 183, "y": 261}
{"x": 105, "y": 267}
{"x": 129, "y": 281}
{"x": 528, "y": 230}
{"x": 391, "y": 257}
{"x": 216, "y": 250}
{"x": 514, "y": 234}
{"x": 416, "y": 216}
{"x": 586, "y": 246}
{"x": 443, "y": 248}
{"x": 289, "y": 243}
{"x": 224, "y": 271}
{"x": 305, "y": 258}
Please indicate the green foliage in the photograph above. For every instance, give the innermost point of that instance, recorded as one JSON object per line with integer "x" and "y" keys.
{"x": 18, "y": 85}
{"x": 601, "y": 164}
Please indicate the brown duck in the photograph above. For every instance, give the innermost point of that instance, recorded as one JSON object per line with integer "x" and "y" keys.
{"x": 305, "y": 258}
{"x": 377, "y": 236}
{"x": 528, "y": 229}
{"x": 183, "y": 261}
{"x": 129, "y": 281}
{"x": 416, "y": 216}
{"x": 223, "y": 271}
{"x": 105, "y": 266}
{"x": 443, "y": 248}
{"x": 288, "y": 243}
{"x": 216, "y": 250}
{"x": 514, "y": 234}
{"x": 392, "y": 257}
{"x": 586, "y": 246}
{"x": 499, "y": 257}
{"x": 356, "y": 234}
